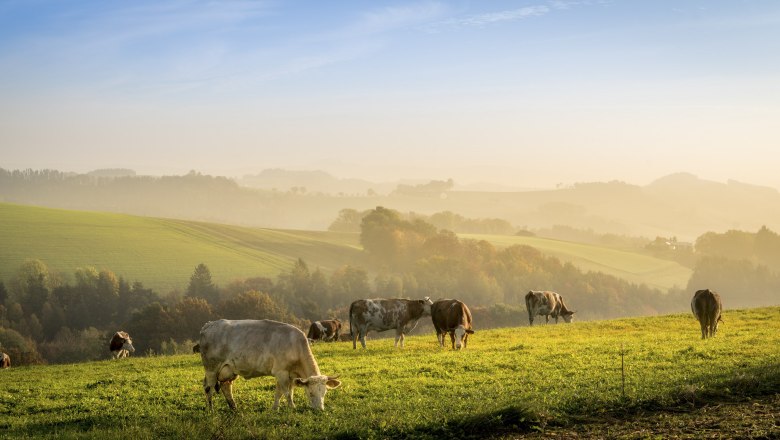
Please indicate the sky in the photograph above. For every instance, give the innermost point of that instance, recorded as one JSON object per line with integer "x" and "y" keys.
{"x": 518, "y": 93}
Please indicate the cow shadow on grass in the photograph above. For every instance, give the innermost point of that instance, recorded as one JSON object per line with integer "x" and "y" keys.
{"x": 514, "y": 419}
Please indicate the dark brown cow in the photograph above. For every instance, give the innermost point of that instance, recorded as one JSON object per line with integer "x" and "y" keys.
{"x": 547, "y": 304}
{"x": 5, "y": 360}
{"x": 328, "y": 330}
{"x": 385, "y": 314}
{"x": 706, "y": 307}
{"x": 453, "y": 317}
{"x": 121, "y": 345}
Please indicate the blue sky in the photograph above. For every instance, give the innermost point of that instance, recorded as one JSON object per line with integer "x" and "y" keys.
{"x": 523, "y": 93}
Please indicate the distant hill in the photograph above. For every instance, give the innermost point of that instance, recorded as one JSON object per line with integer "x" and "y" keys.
{"x": 679, "y": 205}
{"x": 161, "y": 253}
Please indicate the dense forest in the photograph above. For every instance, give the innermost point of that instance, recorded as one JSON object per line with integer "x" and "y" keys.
{"x": 46, "y": 319}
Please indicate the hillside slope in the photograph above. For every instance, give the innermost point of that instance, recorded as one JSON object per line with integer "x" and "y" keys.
{"x": 161, "y": 253}
{"x": 633, "y": 267}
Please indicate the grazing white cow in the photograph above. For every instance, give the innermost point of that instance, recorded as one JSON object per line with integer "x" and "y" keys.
{"x": 385, "y": 314}
{"x": 121, "y": 345}
{"x": 5, "y": 360}
{"x": 547, "y": 304}
{"x": 252, "y": 348}
{"x": 706, "y": 307}
{"x": 453, "y": 317}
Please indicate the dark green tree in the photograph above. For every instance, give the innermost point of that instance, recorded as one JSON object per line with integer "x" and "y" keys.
{"x": 201, "y": 285}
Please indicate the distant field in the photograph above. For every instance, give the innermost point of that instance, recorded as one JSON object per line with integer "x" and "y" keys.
{"x": 633, "y": 267}
{"x": 162, "y": 253}
{"x": 508, "y": 381}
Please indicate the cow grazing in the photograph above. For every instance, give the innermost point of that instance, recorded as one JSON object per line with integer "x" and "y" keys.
{"x": 324, "y": 330}
{"x": 252, "y": 348}
{"x": 385, "y": 314}
{"x": 453, "y": 317}
{"x": 5, "y": 360}
{"x": 121, "y": 345}
{"x": 547, "y": 304}
{"x": 706, "y": 307}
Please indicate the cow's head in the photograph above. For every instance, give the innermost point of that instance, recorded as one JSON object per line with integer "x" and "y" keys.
{"x": 127, "y": 344}
{"x": 316, "y": 387}
{"x": 567, "y": 316}
{"x": 461, "y": 336}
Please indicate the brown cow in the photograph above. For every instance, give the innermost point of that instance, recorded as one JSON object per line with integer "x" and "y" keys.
{"x": 328, "y": 330}
{"x": 547, "y": 304}
{"x": 706, "y": 307}
{"x": 5, "y": 360}
{"x": 385, "y": 314}
{"x": 453, "y": 317}
{"x": 121, "y": 345}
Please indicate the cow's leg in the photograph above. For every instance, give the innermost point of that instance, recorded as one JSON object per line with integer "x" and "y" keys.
{"x": 452, "y": 338}
{"x": 703, "y": 325}
{"x": 363, "y": 331}
{"x": 226, "y": 376}
{"x": 209, "y": 387}
{"x": 399, "y": 336}
{"x": 283, "y": 388}
{"x": 546, "y": 319}
{"x": 530, "y": 319}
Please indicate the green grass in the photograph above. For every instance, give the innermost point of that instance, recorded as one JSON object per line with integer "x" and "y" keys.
{"x": 631, "y": 266}
{"x": 508, "y": 380}
{"x": 161, "y": 253}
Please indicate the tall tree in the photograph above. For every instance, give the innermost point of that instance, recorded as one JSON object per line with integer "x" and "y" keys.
{"x": 201, "y": 285}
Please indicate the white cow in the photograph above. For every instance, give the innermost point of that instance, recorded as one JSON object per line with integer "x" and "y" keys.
{"x": 121, "y": 345}
{"x": 250, "y": 348}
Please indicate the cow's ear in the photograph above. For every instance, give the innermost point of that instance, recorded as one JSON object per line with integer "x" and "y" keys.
{"x": 471, "y": 332}
{"x": 333, "y": 383}
{"x": 301, "y": 382}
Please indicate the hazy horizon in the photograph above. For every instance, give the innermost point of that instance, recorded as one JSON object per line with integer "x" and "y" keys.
{"x": 524, "y": 94}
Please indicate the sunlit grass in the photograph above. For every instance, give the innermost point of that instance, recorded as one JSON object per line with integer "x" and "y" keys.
{"x": 161, "y": 253}
{"x": 507, "y": 377}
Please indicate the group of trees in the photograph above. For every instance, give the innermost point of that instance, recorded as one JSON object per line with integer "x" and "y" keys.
{"x": 350, "y": 220}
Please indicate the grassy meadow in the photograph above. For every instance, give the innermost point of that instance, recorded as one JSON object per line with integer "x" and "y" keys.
{"x": 508, "y": 381}
{"x": 630, "y": 266}
{"x": 162, "y": 253}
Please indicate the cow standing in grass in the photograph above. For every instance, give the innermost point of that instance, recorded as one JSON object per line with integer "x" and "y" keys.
{"x": 121, "y": 345}
{"x": 328, "y": 330}
{"x": 252, "y": 348}
{"x": 706, "y": 307}
{"x": 547, "y": 304}
{"x": 453, "y": 317}
{"x": 386, "y": 314}
{"x": 5, "y": 360}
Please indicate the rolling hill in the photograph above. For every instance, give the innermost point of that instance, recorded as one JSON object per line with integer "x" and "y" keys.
{"x": 631, "y": 266}
{"x": 162, "y": 253}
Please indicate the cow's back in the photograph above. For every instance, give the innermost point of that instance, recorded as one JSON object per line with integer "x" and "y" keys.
{"x": 449, "y": 313}
{"x": 254, "y": 347}
{"x": 706, "y": 305}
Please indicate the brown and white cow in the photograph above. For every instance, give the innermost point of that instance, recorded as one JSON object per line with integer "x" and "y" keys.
{"x": 121, "y": 345}
{"x": 328, "y": 330}
{"x": 5, "y": 360}
{"x": 453, "y": 317}
{"x": 547, "y": 304}
{"x": 706, "y": 307}
{"x": 252, "y": 348}
{"x": 386, "y": 314}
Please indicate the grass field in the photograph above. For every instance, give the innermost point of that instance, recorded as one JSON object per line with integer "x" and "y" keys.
{"x": 630, "y": 266}
{"x": 161, "y": 253}
{"x": 509, "y": 382}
